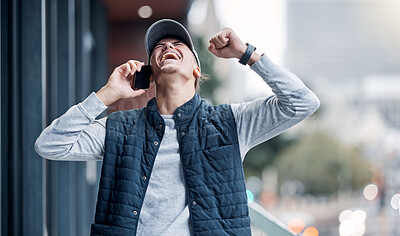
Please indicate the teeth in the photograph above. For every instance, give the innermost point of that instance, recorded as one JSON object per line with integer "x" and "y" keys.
{"x": 169, "y": 55}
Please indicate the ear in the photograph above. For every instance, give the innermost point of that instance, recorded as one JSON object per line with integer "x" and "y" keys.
{"x": 197, "y": 72}
{"x": 151, "y": 78}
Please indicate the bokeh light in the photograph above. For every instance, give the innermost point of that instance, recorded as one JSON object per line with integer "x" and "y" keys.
{"x": 370, "y": 192}
{"x": 250, "y": 196}
{"x": 395, "y": 201}
{"x": 359, "y": 230}
{"x": 352, "y": 223}
{"x": 348, "y": 228}
{"x": 358, "y": 217}
{"x": 296, "y": 225}
{"x": 311, "y": 231}
{"x": 145, "y": 11}
{"x": 344, "y": 215}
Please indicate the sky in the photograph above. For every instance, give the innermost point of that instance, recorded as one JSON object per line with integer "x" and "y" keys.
{"x": 260, "y": 22}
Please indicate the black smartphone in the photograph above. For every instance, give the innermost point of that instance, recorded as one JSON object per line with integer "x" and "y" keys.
{"x": 142, "y": 78}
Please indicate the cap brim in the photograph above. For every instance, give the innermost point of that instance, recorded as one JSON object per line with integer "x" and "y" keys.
{"x": 166, "y": 28}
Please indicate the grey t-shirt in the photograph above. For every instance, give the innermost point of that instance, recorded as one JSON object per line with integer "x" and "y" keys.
{"x": 165, "y": 210}
{"x": 77, "y": 135}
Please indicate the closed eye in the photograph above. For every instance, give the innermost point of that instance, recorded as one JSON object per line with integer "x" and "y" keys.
{"x": 176, "y": 43}
{"x": 158, "y": 45}
{"x": 179, "y": 43}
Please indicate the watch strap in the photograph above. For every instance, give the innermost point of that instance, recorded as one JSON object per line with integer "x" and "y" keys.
{"x": 247, "y": 54}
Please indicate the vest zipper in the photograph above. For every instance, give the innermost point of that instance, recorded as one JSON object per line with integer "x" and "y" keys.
{"x": 186, "y": 184}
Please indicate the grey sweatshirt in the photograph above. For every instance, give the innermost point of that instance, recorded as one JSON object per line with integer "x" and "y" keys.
{"x": 78, "y": 136}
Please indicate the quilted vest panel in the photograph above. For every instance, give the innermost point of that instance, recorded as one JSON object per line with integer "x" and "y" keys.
{"x": 211, "y": 161}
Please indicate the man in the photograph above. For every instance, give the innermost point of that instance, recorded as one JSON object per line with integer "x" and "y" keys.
{"x": 175, "y": 166}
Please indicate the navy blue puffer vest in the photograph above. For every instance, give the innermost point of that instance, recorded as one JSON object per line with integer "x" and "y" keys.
{"x": 211, "y": 162}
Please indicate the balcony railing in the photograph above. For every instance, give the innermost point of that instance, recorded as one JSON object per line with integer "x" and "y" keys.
{"x": 265, "y": 224}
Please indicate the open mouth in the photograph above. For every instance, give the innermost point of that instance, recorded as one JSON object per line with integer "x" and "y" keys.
{"x": 170, "y": 56}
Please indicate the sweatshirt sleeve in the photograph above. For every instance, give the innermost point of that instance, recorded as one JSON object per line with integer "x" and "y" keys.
{"x": 262, "y": 119}
{"x": 76, "y": 135}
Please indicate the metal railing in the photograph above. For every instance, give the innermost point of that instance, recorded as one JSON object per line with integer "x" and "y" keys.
{"x": 265, "y": 224}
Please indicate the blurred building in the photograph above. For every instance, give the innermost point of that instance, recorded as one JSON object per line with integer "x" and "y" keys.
{"x": 335, "y": 46}
{"x": 349, "y": 53}
{"x": 128, "y": 22}
{"x": 53, "y": 55}
{"x": 343, "y": 39}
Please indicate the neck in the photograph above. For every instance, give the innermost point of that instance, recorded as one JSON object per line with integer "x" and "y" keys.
{"x": 173, "y": 95}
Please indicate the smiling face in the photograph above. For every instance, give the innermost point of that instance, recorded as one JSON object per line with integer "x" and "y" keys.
{"x": 172, "y": 57}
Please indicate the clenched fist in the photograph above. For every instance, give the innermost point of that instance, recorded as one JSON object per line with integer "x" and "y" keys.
{"x": 226, "y": 44}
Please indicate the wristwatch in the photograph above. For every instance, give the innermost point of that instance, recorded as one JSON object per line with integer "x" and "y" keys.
{"x": 247, "y": 54}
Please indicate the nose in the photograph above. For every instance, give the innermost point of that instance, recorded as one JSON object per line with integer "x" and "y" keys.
{"x": 168, "y": 45}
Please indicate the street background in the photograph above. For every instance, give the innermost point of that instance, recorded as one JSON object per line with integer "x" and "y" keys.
{"x": 336, "y": 173}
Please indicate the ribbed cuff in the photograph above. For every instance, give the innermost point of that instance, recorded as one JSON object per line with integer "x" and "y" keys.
{"x": 93, "y": 106}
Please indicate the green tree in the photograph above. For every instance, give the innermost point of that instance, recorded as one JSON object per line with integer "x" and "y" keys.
{"x": 207, "y": 86}
{"x": 263, "y": 155}
{"x": 323, "y": 165}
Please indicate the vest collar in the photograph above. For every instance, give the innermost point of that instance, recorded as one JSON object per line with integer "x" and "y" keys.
{"x": 185, "y": 112}
{"x": 182, "y": 114}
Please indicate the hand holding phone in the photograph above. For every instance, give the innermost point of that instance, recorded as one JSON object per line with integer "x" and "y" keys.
{"x": 141, "y": 78}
